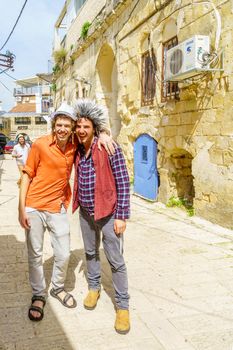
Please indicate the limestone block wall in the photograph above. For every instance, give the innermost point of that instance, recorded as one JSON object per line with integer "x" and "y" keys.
{"x": 195, "y": 132}
{"x": 88, "y": 12}
{"x": 197, "y": 129}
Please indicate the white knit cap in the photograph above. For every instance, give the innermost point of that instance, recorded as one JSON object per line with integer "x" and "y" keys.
{"x": 66, "y": 110}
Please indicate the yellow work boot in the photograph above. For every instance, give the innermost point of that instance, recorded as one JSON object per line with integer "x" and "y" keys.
{"x": 122, "y": 324}
{"x": 91, "y": 299}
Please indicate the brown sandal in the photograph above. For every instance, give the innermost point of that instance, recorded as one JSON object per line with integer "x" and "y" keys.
{"x": 37, "y": 308}
{"x": 54, "y": 293}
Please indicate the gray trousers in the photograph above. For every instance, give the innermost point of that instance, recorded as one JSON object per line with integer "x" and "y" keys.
{"x": 58, "y": 226}
{"x": 112, "y": 245}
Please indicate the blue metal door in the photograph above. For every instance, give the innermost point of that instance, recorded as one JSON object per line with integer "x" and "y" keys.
{"x": 145, "y": 167}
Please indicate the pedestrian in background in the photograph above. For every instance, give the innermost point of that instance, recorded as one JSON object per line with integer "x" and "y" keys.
{"x": 102, "y": 190}
{"x": 20, "y": 153}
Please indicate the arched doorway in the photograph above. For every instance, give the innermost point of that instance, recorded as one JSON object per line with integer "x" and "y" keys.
{"x": 180, "y": 174}
{"x": 146, "y": 179}
{"x": 106, "y": 86}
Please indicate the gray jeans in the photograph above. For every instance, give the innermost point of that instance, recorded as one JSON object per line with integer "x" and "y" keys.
{"x": 112, "y": 245}
{"x": 58, "y": 226}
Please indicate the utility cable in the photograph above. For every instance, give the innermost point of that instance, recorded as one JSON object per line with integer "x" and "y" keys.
{"x": 14, "y": 25}
{"x": 5, "y": 87}
{"x": 4, "y": 71}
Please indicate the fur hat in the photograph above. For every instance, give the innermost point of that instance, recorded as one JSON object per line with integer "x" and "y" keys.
{"x": 98, "y": 114}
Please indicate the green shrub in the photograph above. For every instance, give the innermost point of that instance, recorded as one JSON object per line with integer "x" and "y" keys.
{"x": 54, "y": 87}
{"x": 60, "y": 56}
{"x": 56, "y": 69}
{"x": 181, "y": 203}
{"x": 84, "y": 30}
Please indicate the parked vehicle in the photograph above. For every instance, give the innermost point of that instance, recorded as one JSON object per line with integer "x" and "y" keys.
{"x": 9, "y": 146}
{"x": 3, "y": 140}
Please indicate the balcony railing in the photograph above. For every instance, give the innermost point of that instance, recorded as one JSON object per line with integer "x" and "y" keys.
{"x": 33, "y": 90}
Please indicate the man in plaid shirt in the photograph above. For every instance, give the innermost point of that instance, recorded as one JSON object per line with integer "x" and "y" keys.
{"x": 101, "y": 189}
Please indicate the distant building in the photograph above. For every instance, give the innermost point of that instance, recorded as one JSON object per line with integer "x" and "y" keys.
{"x": 33, "y": 105}
{"x": 3, "y": 137}
{"x": 1, "y": 119}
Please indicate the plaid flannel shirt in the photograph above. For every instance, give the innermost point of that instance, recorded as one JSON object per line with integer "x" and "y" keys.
{"x": 86, "y": 183}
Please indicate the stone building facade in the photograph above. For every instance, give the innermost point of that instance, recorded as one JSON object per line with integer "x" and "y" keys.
{"x": 120, "y": 61}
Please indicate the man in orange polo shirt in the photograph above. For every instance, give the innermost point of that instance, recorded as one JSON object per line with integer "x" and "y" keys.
{"x": 44, "y": 198}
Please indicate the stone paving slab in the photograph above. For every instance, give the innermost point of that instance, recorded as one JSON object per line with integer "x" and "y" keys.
{"x": 180, "y": 282}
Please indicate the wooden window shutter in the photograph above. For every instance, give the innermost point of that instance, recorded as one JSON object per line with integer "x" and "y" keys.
{"x": 148, "y": 78}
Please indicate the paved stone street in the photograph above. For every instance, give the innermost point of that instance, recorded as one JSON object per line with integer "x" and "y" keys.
{"x": 180, "y": 282}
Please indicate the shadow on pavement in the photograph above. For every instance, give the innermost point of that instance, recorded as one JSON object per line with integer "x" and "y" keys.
{"x": 16, "y": 330}
{"x": 76, "y": 257}
{"x": 106, "y": 274}
{"x": 106, "y": 277}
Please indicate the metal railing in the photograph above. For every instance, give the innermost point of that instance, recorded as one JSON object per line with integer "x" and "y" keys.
{"x": 33, "y": 90}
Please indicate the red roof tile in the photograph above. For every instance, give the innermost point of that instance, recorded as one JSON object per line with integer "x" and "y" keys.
{"x": 24, "y": 108}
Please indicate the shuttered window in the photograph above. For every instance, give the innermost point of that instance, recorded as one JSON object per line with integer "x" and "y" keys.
{"x": 22, "y": 120}
{"x": 148, "y": 78}
{"x": 40, "y": 120}
{"x": 169, "y": 89}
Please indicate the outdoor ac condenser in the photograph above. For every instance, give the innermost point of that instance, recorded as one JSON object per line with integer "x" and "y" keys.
{"x": 186, "y": 59}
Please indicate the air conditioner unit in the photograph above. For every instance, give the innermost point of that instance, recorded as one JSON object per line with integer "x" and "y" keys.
{"x": 186, "y": 59}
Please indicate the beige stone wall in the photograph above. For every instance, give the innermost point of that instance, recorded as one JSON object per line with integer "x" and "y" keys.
{"x": 88, "y": 12}
{"x": 199, "y": 125}
{"x": 194, "y": 133}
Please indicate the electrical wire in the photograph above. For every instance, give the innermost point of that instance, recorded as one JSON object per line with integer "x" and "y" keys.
{"x": 207, "y": 58}
{"x": 14, "y": 25}
{"x": 218, "y": 19}
{"x": 5, "y": 87}
{"x": 4, "y": 71}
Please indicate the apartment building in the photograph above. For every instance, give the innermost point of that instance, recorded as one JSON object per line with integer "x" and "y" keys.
{"x": 33, "y": 103}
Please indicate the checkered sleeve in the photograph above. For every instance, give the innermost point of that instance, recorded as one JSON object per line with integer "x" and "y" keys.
{"x": 121, "y": 176}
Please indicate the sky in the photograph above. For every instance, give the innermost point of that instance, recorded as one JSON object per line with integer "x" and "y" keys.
{"x": 31, "y": 41}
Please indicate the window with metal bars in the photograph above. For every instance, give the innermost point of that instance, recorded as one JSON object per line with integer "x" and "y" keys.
{"x": 40, "y": 120}
{"x": 169, "y": 89}
{"x": 148, "y": 78}
{"x": 22, "y": 120}
{"x": 45, "y": 104}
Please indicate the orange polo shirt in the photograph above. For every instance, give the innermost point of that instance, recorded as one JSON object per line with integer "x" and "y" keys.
{"x": 50, "y": 169}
